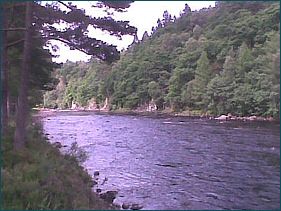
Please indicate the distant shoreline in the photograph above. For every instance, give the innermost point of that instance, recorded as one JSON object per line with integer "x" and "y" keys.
{"x": 43, "y": 113}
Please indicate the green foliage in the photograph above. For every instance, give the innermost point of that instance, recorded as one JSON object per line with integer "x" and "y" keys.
{"x": 77, "y": 152}
{"x": 221, "y": 87}
{"x": 156, "y": 94}
{"x": 218, "y": 60}
{"x": 41, "y": 69}
{"x": 244, "y": 61}
{"x": 176, "y": 84}
{"x": 40, "y": 178}
{"x": 203, "y": 75}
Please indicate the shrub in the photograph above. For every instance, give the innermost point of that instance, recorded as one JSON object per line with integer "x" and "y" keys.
{"x": 40, "y": 177}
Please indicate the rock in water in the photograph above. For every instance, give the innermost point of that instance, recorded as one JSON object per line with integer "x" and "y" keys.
{"x": 136, "y": 207}
{"x": 213, "y": 195}
{"x": 57, "y": 145}
{"x": 109, "y": 196}
{"x": 222, "y": 117}
{"x": 93, "y": 183}
{"x": 126, "y": 206}
{"x": 118, "y": 206}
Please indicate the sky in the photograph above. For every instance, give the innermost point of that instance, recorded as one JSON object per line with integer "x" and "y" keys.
{"x": 141, "y": 14}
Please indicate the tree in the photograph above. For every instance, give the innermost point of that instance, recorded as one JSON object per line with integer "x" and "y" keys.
{"x": 244, "y": 62}
{"x": 267, "y": 66}
{"x": 4, "y": 69}
{"x": 75, "y": 34}
{"x": 22, "y": 108}
{"x": 203, "y": 75}
{"x": 40, "y": 18}
{"x": 166, "y": 18}
{"x": 156, "y": 94}
{"x": 178, "y": 80}
{"x": 187, "y": 94}
{"x": 197, "y": 32}
{"x": 221, "y": 89}
{"x": 186, "y": 9}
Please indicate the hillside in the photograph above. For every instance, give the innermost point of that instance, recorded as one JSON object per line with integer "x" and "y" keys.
{"x": 217, "y": 61}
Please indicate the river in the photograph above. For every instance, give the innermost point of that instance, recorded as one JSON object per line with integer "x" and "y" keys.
{"x": 176, "y": 163}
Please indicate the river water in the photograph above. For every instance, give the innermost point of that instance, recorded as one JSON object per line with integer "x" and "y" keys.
{"x": 176, "y": 163}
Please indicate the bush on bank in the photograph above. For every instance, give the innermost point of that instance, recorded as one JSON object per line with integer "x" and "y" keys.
{"x": 41, "y": 178}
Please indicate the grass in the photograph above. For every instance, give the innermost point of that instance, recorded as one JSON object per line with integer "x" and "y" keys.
{"x": 40, "y": 178}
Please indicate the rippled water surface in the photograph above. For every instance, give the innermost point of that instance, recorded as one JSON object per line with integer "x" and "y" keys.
{"x": 175, "y": 162}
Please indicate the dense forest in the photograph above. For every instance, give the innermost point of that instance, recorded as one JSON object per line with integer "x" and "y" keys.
{"x": 214, "y": 61}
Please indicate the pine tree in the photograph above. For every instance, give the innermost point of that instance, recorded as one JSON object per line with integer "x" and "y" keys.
{"x": 167, "y": 18}
{"x": 187, "y": 9}
{"x": 203, "y": 75}
{"x": 4, "y": 69}
{"x": 244, "y": 62}
{"x": 40, "y": 18}
{"x": 20, "y": 137}
{"x": 221, "y": 89}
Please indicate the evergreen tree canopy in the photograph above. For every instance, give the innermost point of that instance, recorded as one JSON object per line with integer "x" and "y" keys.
{"x": 217, "y": 60}
{"x": 32, "y": 25}
{"x": 75, "y": 34}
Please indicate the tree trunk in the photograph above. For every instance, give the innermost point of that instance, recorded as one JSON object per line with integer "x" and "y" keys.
{"x": 9, "y": 104}
{"x": 20, "y": 137}
{"x": 4, "y": 70}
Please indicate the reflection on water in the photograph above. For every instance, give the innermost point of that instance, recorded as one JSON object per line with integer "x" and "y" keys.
{"x": 175, "y": 162}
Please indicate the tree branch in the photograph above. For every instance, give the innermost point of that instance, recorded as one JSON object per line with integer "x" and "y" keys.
{"x": 64, "y": 4}
{"x": 16, "y": 42}
{"x": 67, "y": 42}
{"x": 21, "y": 40}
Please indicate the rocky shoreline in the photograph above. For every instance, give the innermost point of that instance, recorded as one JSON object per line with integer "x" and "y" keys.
{"x": 42, "y": 113}
{"x": 107, "y": 196}
{"x": 234, "y": 118}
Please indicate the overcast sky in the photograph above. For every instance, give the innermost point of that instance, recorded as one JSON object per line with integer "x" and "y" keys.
{"x": 141, "y": 14}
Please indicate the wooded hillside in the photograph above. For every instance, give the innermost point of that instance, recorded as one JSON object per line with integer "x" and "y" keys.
{"x": 216, "y": 61}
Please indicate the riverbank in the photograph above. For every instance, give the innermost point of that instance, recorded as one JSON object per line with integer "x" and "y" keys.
{"x": 39, "y": 177}
{"x": 226, "y": 117}
{"x": 194, "y": 114}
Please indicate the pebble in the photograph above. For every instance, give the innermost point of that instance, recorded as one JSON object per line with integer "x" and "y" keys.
{"x": 109, "y": 196}
{"x": 57, "y": 145}
{"x": 126, "y": 206}
{"x": 213, "y": 195}
{"x": 187, "y": 203}
{"x": 136, "y": 207}
{"x": 116, "y": 205}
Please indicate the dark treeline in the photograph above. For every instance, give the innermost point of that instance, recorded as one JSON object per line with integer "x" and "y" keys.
{"x": 216, "y": 61}
{"x": 26, "y": 63}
